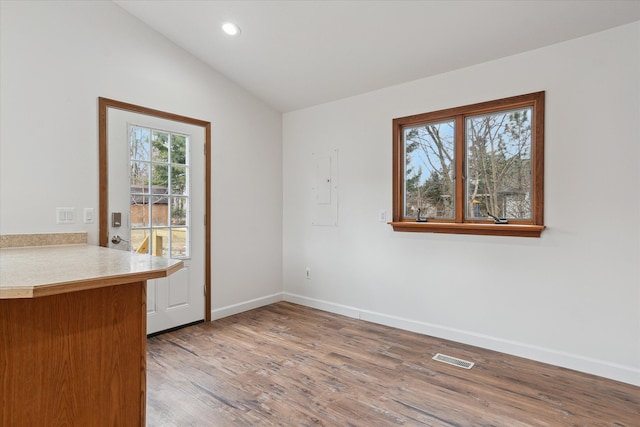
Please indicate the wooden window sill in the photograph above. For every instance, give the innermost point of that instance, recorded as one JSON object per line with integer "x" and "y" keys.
{"x": 517, "y": 230}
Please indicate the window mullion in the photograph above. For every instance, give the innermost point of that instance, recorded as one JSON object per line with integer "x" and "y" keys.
{"x": 460, "y": 159}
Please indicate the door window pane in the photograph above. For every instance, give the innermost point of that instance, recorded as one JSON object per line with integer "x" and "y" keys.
{"x": 179, "y": 209}
{"x": 160, "y": 211}
{"x": 160, "y": 178}
{"x": 139, "y": 143}
{"x": 160, "y": 147}
{"x": 179, "y": 180}
{"x": 179, "y": 240}
{"x": 139, "y": 210}
{"x": 140, "y": 240}
{"x": 178, "y": 149}
{"x": 160, "y": 241}
{"x": 139, "y": 177}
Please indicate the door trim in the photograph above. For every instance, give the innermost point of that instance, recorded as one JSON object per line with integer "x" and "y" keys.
{"x": 103, "y": 105}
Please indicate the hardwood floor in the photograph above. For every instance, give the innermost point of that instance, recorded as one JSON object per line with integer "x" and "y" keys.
{"x": 289, "y": 365}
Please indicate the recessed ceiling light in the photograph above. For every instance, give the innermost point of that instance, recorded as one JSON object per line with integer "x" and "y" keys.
{"x": 231, "y": 28}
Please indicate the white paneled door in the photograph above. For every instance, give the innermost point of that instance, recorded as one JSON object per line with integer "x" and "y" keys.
{"x": 156, "y": 170}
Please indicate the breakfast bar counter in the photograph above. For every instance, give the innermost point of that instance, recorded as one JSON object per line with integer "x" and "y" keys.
{"x": 31, "y": 272}
{"x": 73, "y": 335}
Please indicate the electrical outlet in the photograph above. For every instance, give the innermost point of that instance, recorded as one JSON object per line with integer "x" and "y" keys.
{"x": 382, "y": 215}
{"x": 307, "y": 273}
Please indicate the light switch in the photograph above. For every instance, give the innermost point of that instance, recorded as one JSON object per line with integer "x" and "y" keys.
{"x": 88, "y": 216}
{"x": 65, "y": 215}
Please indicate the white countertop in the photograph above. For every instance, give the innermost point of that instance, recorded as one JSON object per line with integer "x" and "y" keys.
{"x": 31, "y": 272}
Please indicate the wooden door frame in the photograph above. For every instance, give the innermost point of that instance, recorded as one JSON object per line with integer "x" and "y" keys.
{"x": 103, "y": 105}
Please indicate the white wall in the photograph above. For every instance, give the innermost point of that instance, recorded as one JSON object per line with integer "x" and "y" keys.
{"x": 57, "y": 58}
{"x": 571, "y": 297}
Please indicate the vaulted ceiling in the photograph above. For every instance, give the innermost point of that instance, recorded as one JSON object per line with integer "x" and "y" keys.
{"x": 295, "y": 54}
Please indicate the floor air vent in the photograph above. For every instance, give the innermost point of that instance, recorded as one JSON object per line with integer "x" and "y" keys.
{"x": 453, "y": 361}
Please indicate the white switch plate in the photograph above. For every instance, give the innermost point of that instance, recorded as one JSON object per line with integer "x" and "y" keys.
{"x": 88, "y": 216}
{"x": 65, "y": 215}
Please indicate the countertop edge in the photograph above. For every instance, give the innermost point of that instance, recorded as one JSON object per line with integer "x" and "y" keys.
{"x": 81, "y": 282}
{"x": 86, "y": 284}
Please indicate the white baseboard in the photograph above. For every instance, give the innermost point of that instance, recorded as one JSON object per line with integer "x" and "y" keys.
{"x": 570, "y": 361}
{"x": 230, "y": 310}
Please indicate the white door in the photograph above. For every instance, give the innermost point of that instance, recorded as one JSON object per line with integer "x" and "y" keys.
{"x": 156, "y": 194}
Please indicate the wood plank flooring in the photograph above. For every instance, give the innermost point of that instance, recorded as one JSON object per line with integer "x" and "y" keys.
{"x": 289, "y": 365}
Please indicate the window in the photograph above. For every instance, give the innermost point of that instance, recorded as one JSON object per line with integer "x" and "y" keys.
{"x": 159, "y": 179}
{"x": 476, "y": 169}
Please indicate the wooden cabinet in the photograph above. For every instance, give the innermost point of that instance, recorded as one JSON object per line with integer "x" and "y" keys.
{"x": 76, "y": 357}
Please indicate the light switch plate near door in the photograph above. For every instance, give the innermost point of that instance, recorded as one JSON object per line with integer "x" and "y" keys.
{"x": 65, "y": 215}
{"x": 88, "y": 216}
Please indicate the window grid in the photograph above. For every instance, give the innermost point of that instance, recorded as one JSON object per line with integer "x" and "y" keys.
{"x": 160, "y": 193}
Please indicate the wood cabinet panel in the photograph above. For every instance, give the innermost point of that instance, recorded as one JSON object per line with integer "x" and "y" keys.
{"x": 75, "y": 359}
